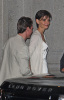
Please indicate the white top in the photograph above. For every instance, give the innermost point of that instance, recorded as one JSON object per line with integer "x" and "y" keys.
{"x": 38, "y": 52}
{"x": 44, "y": 56}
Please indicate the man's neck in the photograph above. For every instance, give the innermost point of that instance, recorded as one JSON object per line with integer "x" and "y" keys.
{"x": 23, "y": 35}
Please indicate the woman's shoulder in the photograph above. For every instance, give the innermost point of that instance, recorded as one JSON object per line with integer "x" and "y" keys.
{"x": 36, "y": 35}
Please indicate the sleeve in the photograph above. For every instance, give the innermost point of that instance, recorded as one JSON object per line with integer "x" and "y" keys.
{"x": 23, "y": 61}
{"x": 33, "y": 44}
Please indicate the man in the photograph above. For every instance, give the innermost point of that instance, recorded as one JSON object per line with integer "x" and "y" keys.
{"x": 62, "y": 64}
{"x": 16, "y": 57}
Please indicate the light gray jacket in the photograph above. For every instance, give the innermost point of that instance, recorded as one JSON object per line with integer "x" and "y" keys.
{"x": 15, "y": 59}
{"x": 38, "y": 52}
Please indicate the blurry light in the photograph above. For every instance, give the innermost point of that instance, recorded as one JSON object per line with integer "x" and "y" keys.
{"x": 61, "y": 97}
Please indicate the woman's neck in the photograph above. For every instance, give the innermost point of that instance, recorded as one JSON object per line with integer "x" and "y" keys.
{"x": 41, "y": 31}
{"x": 42, "y": 34}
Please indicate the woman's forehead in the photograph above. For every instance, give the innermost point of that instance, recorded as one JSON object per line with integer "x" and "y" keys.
{"x": 45, "y": 17}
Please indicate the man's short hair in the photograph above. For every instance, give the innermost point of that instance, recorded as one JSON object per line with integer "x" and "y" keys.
{"x": 23, "y": 23}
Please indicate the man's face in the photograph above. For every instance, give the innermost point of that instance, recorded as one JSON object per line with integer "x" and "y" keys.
{"x": 30, "y": 30}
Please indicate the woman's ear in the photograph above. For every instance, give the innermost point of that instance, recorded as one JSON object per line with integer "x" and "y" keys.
{"x": 37, "y": 21}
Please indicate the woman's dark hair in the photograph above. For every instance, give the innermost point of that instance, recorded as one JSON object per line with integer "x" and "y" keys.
{"x": 23, "y": 23}
{"x": 42, "y": 13}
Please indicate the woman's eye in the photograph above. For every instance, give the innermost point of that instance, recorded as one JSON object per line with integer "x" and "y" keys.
{"x": 44, "y": 19}
{"x": 49, "y": 20}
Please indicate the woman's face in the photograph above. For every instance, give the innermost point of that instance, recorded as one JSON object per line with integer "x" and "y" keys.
{"x": 44, "y": 22}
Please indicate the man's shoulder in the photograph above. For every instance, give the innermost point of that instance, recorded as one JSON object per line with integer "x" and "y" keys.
{"x": 10, "y": 41}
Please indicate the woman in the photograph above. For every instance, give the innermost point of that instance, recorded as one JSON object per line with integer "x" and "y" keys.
{"x": 38, "y": 47}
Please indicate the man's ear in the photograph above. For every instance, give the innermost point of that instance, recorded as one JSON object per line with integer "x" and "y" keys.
{"x": 27, "y": 28}
{"x": 37, "y": 21}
